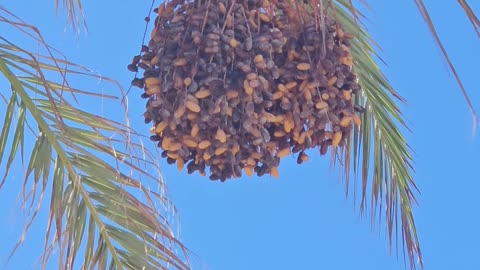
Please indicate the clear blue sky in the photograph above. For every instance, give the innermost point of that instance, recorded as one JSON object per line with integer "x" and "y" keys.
{"x": 302, "y": 220}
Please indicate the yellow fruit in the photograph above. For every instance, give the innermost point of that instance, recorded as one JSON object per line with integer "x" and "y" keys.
{"x": 284, "y": 152}
{"x": 192, "y": 98}
{"x": 337, "y": 137}
{"x": 221, "y": 136}
{"x": 229, "y": 21}
{"x": 220, "y": 151}
{"x": 206, "y": 155}
{"x": 279, "y": 133}
{"x": 270, "y": 117}
{"x": 248, "y": 89}
{"x": 345, "y": 122}
{"x": 155, "y": 60}
{"x": 347, "y": 94}
{"x": 191, "y": 116}
{"x": 174, "y": 147}
{"x": 303, "y": 85}
{"x": 303, "y": 66}
{"x": 357, "y": 120}
{"x": 325, "y": 96}
{"x": 231, "y": 94}
{"x": 233, "y": 43}
{"x": 192, "y": 106}
{"x": 235, "y": 148}
{"x": 282, "y": 88}
{"x": 153, "y": 89}
{"x": 180, "y": 164}
{"x": 204, "y": 144}
{"x": 229, "y": 111}
{"x": 274, "y": 172}
{"x": 161, "y": 126}
{"x": 307, "y": 94}
{"x": 348, "y": 61}
{"x": 272, "y": 147}
{"x": 194, "y": 131}
{"x": 331, "y": 81}
{"x": 291, "y": 85}
{"x": 173, "y": 155}
{"x": 221, "y": 8}
{"x": 248, "y": 170}
{"x": 277, "y": 95}
{"x": 301, "y": 138}
{"x": 340, "y": 32}
{"x": 258, "y": 59}
{"x": 179, "y": 112}
{"x": 180, "y": 62}
{"x": 187, "y": 81}
{"x": 280, "y": 118}
{"x": 166, "y": 143}
{"x": 152, "y": 81}
{"x": 202, "y": 93}
{"x": 190, "y": 142}
{"x": 288, "y": 125}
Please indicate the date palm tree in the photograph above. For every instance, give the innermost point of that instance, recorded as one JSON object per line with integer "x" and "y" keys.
{"x": 108, "y": 208}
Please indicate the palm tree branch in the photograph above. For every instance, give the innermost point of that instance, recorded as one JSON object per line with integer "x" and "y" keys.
{"x": 79, "y": 142}
{"x": 428, "y": 20}
{"x": 470, "y": 15}
{"x": 50, "y": 136}
{"x": 380, "y": 153}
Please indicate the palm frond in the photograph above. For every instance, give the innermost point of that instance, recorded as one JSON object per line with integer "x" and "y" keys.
{"x": 380, "y": 143}
{"x": 470, "y": 15}
{"x": 103, "y": 212}
{"x": 381, "y": 155}
{"x": 431, "y": 26}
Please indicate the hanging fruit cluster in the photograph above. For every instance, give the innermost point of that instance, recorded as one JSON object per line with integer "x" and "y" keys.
{"x": 235, "y": 86}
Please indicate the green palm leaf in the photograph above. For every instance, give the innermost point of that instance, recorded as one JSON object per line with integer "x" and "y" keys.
{"x": 381, "y": 155}
{"x": 379, "y": 144}
{"x": 102, "y": 211}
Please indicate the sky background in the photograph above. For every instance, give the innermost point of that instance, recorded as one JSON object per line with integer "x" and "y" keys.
{"x": 302, "y": 220}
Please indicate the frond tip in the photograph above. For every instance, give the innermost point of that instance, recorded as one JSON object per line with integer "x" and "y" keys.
{"x": 75, "y": 12}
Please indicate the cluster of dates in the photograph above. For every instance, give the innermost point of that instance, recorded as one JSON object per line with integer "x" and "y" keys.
{"x": 236, "y": 86}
